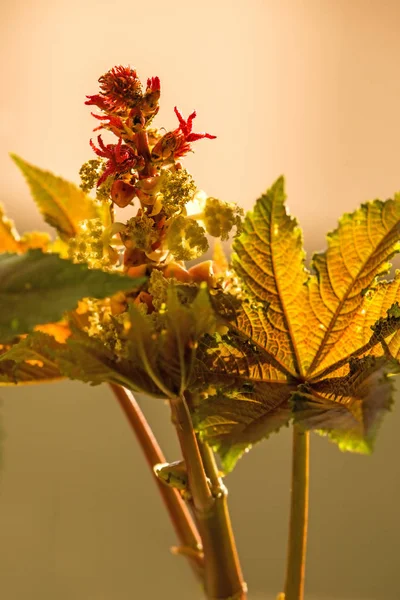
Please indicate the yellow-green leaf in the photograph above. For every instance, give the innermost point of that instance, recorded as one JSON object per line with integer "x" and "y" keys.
{"x": 328, "y": 340}
{"x": 62, "y": 204}
{"x": 269, "y": 260}
{"x": 358, "y": 251}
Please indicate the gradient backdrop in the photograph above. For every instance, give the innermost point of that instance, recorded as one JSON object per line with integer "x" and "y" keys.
{"x": 306, "y": 88}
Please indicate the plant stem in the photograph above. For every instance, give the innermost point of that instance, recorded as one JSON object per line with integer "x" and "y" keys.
{"x": 294, "y": 586}
{"x": 222, "y": 573}
{"x": 180, "y": 516}
{"x": 142, "y": 144}
{"x": 221, "y": 545}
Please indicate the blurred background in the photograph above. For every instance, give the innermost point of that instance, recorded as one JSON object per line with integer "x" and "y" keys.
{"x": 308, "y": 88}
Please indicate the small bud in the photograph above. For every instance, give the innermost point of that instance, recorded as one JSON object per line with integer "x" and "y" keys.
{"x": 139, "y": 271}
{"x": 145, "y": 298}
{"x": 204, "y": 271}
{"x": 134, "y": 257}
{"x": 150, "y": 184}
{"x": 147, "y": 199}
{"x": 122, "y": 193}
{"x": 118, "y": 303}
{"x": 178, "y": 272}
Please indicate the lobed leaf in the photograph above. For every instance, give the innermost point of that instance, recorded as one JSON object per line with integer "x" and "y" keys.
{"x": 349, "y": 409}
{"x": 232, "y": 421}
{"x": 358, "y": 251}
{"x": 269, "y": 260}
{"x": 62, "y": 204}
{"x": 320, "y": 346}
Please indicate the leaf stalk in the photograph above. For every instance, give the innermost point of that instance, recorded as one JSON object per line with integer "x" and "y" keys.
{"x": 295, "y": 575}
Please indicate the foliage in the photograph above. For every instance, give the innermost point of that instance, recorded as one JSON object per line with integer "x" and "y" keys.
{"x": 61, "y": 203}
{"x": 38, "y": 288}
{"x": 258, "y": 343}
{"x": 316, "y": 347}
{"x": 239, "y": 350}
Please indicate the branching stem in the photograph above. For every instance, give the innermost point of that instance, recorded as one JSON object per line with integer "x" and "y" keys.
{"x": 222, "y": 573}
{"x": 181, "y": 519}
{"x": 294, "y": 587}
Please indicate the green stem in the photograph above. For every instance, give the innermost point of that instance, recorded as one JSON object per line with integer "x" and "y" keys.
{"x": 223, "y": 578}
{"x": 217, "y": 535}
{"x": 198, "y": 484}
{"x": 180, "y": 516}
{"x": 294, "y": 587}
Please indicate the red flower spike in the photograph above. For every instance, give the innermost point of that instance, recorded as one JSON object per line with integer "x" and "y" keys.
{"x": 120, "y": 158}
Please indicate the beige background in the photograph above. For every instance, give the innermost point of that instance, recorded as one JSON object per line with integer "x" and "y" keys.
{"x": 307, "y": 88}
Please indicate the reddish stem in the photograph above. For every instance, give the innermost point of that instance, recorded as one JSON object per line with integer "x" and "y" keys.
{"x": 179, "y": 513}
{"x": 142, "y": 144}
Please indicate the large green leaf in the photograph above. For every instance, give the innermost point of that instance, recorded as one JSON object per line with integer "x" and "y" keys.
{"x": 62, "y": 203}
{"x": 38, "y": 288}
{"x": 297, "y": 333}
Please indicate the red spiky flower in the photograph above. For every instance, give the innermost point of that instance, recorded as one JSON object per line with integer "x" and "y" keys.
{"x": 148, "y": 107}
{"x": 111, "y": 122}
{"x": 177, "y": 143}
{"x": 120, "y": 158}
{"x": 120, "y": 90}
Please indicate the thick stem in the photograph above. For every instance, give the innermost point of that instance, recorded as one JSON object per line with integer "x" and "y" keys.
{"x": 296, "y": 561}
{"x": 177, "y": 509}
{"x": 223, "y": 578}
{"x": 198, "y": 484}
{"x": 218, "y": 539}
